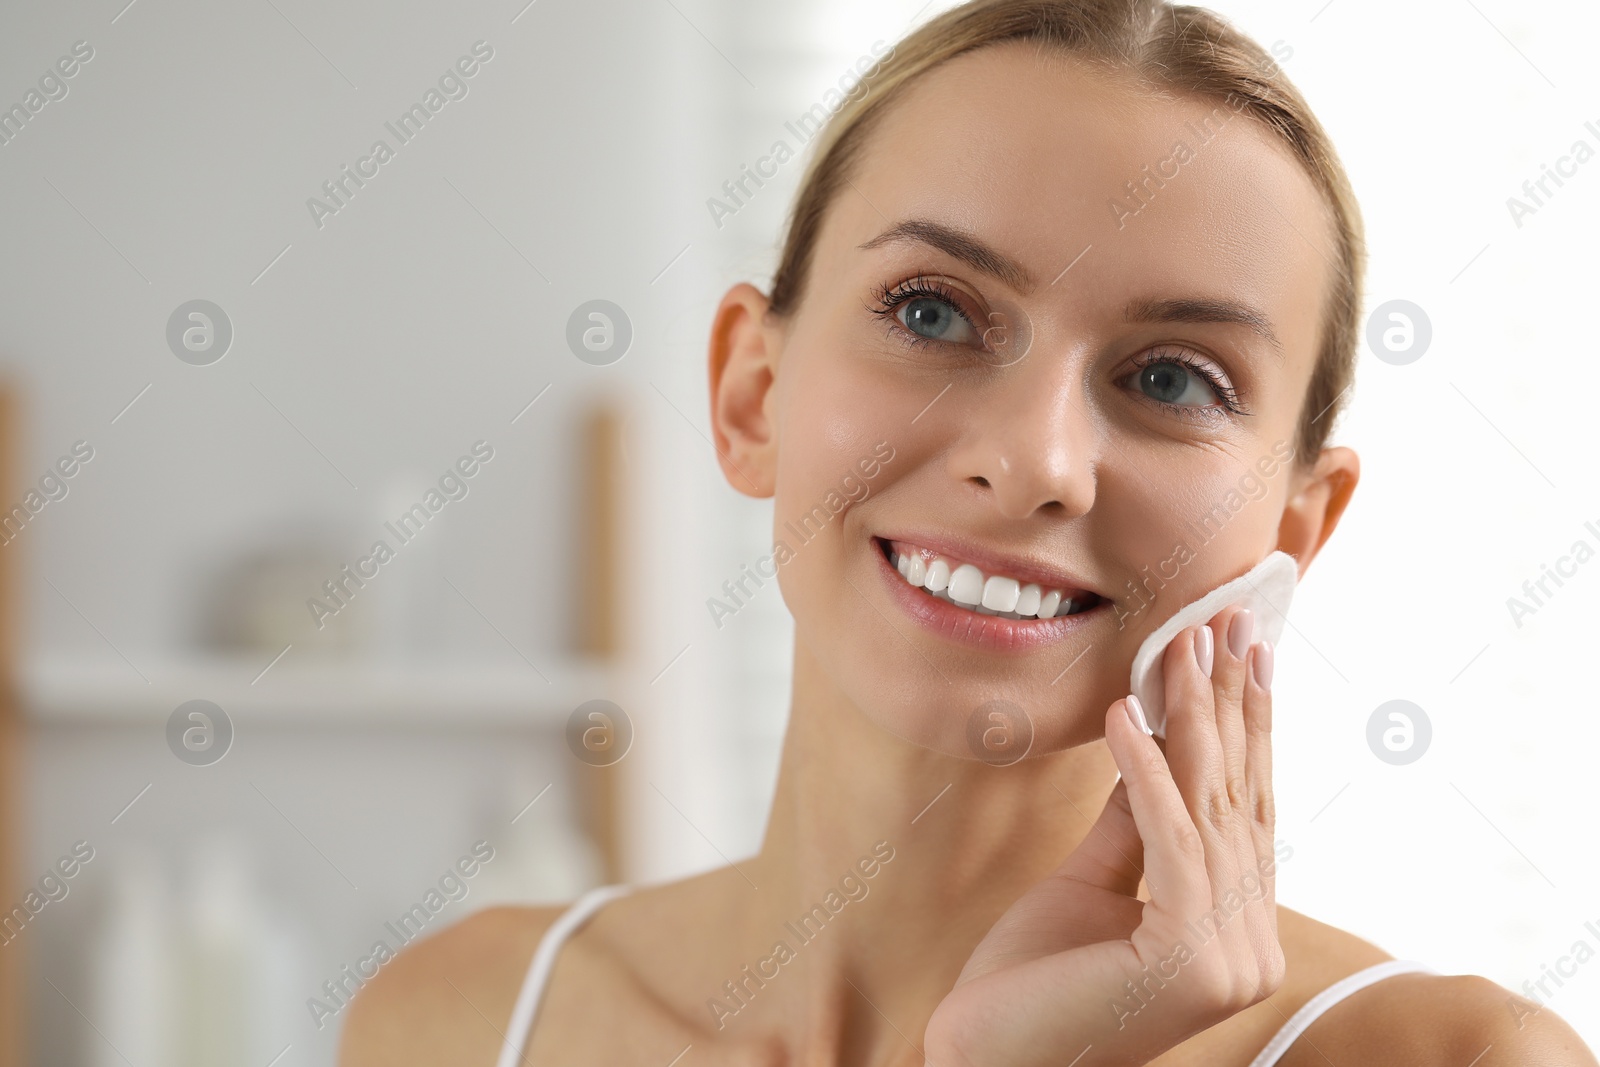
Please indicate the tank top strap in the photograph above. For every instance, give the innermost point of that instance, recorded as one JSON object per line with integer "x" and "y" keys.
{"x": 1313, "y": 1008}
{"x": 526, "y": 1011}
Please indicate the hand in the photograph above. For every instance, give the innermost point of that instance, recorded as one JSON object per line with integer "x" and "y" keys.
{"x": 1080, "y": 970}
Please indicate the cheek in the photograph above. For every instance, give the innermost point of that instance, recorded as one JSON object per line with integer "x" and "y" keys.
{"x": 836, "y": 407}
{"x": 1184, "y": 525}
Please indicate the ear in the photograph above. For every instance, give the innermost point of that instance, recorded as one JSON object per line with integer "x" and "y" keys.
{"x": 1316, "y": 504}
{"x": 743, "y": 361}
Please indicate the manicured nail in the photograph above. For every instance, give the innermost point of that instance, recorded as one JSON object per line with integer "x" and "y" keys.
{"x": 1136, "y": 713}
{"x": 1239, "y": 629}
{"x": 1204, "y": 649}
{"x": 1263, "y": 665}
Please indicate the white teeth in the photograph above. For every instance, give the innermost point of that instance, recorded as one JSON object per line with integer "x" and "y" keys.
{"x": 966, "y": 585}
{"x": 1000, "y": 593}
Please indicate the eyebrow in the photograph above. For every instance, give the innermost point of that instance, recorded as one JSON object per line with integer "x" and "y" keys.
{"x": 972, "y": 251}
{"x": 1203, "y": 309}
{"x": 959, "y": 244}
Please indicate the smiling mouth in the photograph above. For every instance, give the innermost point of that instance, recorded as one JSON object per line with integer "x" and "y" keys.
{"x": 966, "y": 587}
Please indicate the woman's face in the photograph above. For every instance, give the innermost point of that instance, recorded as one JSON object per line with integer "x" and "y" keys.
{"x": 1059, "y": 329}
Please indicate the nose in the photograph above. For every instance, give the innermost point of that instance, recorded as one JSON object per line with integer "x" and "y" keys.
{"x": 1027, "y": 441}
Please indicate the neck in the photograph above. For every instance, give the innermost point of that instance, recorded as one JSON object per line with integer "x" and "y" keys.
{"x": 899, "y": 859}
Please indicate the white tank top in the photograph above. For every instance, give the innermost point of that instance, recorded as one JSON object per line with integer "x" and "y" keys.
{"x": 526, "y": 1011}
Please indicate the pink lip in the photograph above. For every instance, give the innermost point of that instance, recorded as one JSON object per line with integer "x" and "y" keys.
{"x": 989, "y": 632}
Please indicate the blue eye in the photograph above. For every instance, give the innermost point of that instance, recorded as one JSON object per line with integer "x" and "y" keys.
{"x": 1188, "y": 386}
{"x": 1173, "y": 383}
{"x": 937, "y": 320}
{"x": 925, "y": 311}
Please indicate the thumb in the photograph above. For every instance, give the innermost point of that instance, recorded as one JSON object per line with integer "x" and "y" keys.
{"x": 1112, "y": 854}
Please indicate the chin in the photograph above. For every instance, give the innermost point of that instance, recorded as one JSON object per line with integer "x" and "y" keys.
{"x": 1003, "y": 727}
{"x": 1027, "y": 710}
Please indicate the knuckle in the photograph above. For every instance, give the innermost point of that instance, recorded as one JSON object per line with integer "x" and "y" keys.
{"x": 1189, "y": 843}
{"x": 1218, "y": 808}
{"x": 1266, "y": 808}
{"x": 1238, "y": 791}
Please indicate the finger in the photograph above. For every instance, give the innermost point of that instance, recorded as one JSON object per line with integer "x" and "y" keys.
{"x": 1174, "y": 855}
{"x": 1112, "y": 854}
{"x": 1248, "y": 911}
{"x": 1192, "y": 746}
{"x": 1195, "y": 753}
{"x": 1229, "y": 680}
{"x": 1232, "y": 635}
{"x": 1247, "y": 925}
{"x": 1258, "y": 773}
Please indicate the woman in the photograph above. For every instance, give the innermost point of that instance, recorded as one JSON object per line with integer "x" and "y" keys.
{"x": 1068, "y": 272}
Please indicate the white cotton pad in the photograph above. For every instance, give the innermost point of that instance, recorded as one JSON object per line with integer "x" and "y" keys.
{"x": 1265, "y": 589}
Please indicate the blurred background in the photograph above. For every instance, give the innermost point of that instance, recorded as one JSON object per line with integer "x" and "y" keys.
{"x": 226, "y": 380}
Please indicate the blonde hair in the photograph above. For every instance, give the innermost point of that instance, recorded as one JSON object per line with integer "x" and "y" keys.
{"x": 1174, "y": 47}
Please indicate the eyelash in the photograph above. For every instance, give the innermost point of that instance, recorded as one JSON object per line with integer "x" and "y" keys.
{"x": 1227, "y": 394}
{"x": 889, "y": 298}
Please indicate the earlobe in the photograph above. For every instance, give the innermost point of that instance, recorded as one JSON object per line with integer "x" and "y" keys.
{"x": 1315, "y": 507}
{"x": 743, "y": 367}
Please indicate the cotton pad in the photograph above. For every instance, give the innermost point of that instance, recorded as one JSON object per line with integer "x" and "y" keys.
{"x": 1265, "y": 589}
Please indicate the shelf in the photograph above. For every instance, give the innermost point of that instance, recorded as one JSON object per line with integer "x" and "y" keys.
{"x": 353, "y": 692}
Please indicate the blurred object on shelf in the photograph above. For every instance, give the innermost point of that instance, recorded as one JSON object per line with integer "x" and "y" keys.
{"x": 226, "y": 988}
{"x": 132, "y": 973}
{"x": 193, "y": 972}
{"x": 257, "y": 601}
{"x": 371, "y": 583}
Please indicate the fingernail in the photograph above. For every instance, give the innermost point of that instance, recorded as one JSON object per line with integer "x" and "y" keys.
{"x": 1204, "y": 649}
{"x": 1136, "y": 713}
{"x": 1239, "y": 629}
{"x": 1263, "y": 665}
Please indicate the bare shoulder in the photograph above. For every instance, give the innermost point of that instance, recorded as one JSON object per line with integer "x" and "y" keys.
{"x": 1409, "y": 1019}
{"x": 1430, "y": 1019}
{"x": 1415, "y": 1019}
{"x": 445, "y": 999}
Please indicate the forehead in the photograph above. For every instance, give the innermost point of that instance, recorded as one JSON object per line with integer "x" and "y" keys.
{"x": 1049, "y": 159}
